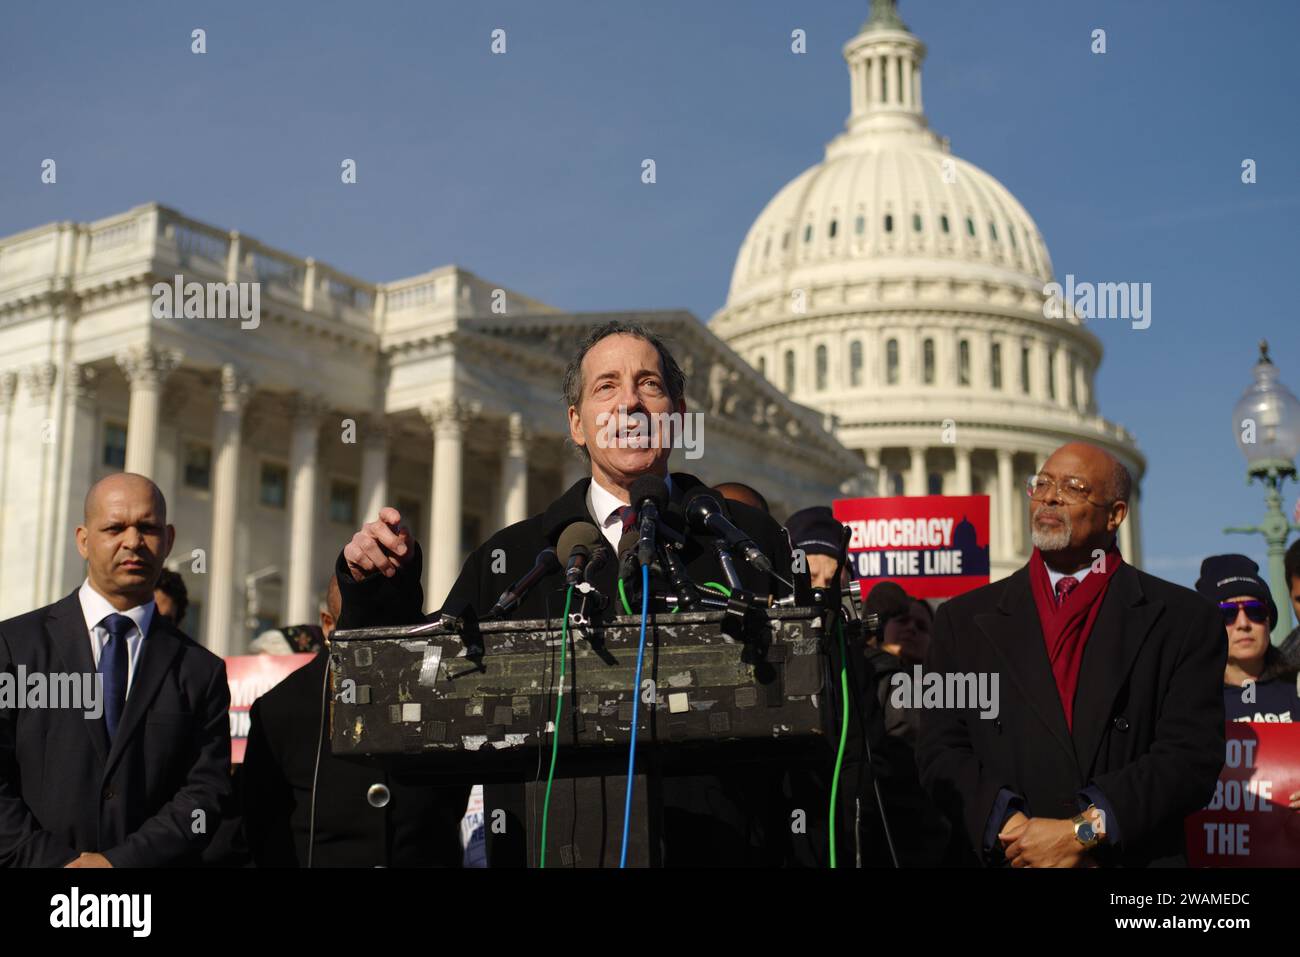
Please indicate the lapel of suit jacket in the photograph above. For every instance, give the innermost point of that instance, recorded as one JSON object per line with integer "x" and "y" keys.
{"x": 1016, "y": 634}
{"x": 1122, "y": 625}
{"x": 157, "y": 653}
{"x": 70, "y": 641}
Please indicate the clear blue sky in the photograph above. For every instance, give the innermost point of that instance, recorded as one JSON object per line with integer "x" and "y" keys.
{"x": 525, "y": 167}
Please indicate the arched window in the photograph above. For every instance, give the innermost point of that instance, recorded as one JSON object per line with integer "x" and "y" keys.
{"x": 993, "y": 232}
{"x": 807, "y": 233}
{"x": 833, "y": 227}
{"x": 963, "y": 363}
{"x": 927, "y": 362}
{"x": 891, "y": 362}
{"x": 822, "y": 363}
{"x": 995, "y": 365}
{"x": 859, "y": 225}
{"x": 943, "y": 223}
{"x": 1051, "y": 374}
{"x": 855, "y": 363}
{"x": 1024, "y": 369}
{"x": 762, "y": 366}
{"x": 789, "y": 371}
{"x": 970, "y": 226}
{"x": 916, "y": 222}
{"x": 889, "y": 222}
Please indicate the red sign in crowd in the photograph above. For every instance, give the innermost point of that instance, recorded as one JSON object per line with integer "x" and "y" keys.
{"x": 1248, "y": 822}
{"x": 934, "y": 546}
{"x": 250, "y": 677}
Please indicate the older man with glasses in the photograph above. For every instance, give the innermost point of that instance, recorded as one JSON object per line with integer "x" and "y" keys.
{"x": 1109, "y": 729}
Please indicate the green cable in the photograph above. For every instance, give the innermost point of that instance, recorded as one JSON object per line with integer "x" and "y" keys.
{"x": 627, "y": 609}
{"x": 844, "y": 735}
{"x": 555, "y": 735}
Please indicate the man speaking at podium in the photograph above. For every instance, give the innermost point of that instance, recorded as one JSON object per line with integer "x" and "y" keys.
{"x": 618, "y": 371}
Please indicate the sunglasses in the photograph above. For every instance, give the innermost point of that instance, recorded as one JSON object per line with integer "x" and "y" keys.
{"x": 1255, "y": 610}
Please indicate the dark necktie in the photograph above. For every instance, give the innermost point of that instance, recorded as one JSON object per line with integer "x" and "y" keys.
{"x": 1063, "y": 588}
{"x": 113, "y": 665}
{"x": 627, "y": 515}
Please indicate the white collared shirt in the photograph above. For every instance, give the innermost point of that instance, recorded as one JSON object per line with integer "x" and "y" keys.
{"x": 1055, "y": 576}
{"x": 604, "y": 507}
{"x": 95, "y": 608}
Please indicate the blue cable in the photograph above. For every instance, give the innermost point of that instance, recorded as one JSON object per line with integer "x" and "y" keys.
{"x": 636, "y": 701}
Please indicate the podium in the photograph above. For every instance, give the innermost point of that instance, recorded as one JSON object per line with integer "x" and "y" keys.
{"x": 466, "y": 702}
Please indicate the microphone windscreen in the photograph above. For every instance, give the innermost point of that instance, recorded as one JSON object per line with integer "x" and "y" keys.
{"x": 649, "y": 487}
{"x": 628, "y": 542}
{"x": 888, "y": 600}
{"x": 579, "y": 534}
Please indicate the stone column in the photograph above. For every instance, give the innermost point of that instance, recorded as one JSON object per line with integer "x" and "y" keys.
{"x": 374, "y": 469}
{"x": 963, "y": 470}
{"x": 447, "y": 419}
{"x": 917, "y": 479}
{"x": 1041, "y": 360}
{"x": 1081, "y": 385}
{"x": 871, "y": 457}
{"x": 223, "y": 633}
{"x": 146, "y": 369}
{"x": 1062, "y": 377}
{"x": 514, "y": 472}
{"x": 573, "y": 468}
{"x": 1133, "y": 523}
{"x": 304, "y": 446}
{"x": 37, "y": 471}
{"x": 77, "y": 468}
{"x": 1006, "y": 505}
{"x": 8, "y": 389}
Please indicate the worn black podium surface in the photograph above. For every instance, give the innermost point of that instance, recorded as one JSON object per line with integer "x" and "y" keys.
{"x": 477, "y": 704}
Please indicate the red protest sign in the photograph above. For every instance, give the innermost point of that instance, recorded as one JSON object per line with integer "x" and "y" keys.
{"x": 1248, "y": 823}
{"x": 934, "y": 546}
{"x": 250, "y": 677}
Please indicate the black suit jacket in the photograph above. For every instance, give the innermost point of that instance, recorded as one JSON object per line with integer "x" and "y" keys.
{"x": 1148, "y": 727}
{"x": 738, "y": 818}
{"x": 417, "y": 827}
{"x": 63, "y": 791}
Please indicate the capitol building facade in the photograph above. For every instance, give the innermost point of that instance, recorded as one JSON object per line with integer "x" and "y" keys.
{"x": 900, "y": 290}
{"x": 884, "y": 331}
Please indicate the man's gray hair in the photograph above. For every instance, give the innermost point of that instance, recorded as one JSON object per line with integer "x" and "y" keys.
{"x": 674, "y": 378}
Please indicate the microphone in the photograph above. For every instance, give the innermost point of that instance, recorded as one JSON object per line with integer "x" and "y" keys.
{"x": 575, "y": 549}
{"x": 547, "y": 562}
{"x": 627, "y": 553}
{"x": 599, "y": 556}
{"x": 648, "y": 494}
{"x": 885, "y": 601}
{"x": 706, "y": 515}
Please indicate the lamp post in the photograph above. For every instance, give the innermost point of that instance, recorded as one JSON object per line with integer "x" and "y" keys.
{"x": 1266, "y": 422}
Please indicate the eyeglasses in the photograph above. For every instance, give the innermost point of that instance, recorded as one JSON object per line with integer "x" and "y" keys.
{"x": 1072, "y": 490}
{"x": 1255, "y": 610}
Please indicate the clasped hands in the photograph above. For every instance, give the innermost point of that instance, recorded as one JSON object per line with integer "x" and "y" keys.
{"x": 1042, "y": 842}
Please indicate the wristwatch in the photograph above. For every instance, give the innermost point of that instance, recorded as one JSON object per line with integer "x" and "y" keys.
{"x": 1085, "y": 832}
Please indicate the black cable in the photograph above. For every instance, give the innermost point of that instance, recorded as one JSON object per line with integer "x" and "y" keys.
{"x": 315, "y": 774}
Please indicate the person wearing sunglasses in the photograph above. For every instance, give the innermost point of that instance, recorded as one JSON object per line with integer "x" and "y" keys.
{"x": 1258, "y": 682}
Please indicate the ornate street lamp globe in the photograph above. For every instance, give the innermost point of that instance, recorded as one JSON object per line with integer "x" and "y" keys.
{"x": 1266, "y": 420}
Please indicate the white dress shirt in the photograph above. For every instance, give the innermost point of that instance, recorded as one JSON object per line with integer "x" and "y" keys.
{"x": 1054, "y": 576}
{"x": 95, "y": 607}
{"x": 604, "y": 507}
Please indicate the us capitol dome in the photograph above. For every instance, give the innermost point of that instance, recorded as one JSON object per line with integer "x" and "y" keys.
{"x": 899, "y": 290}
